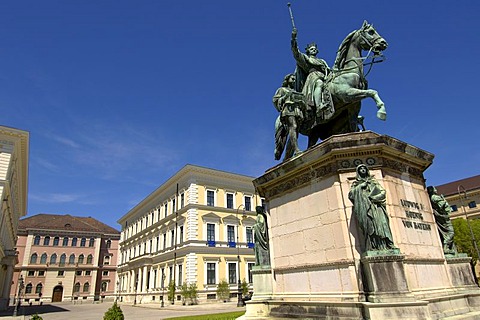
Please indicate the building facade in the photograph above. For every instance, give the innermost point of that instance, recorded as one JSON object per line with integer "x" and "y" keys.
{"x": 14, "y": 146}
{"x": 62, "y": 257}
{"x": 196, "y": 229}
{"x": 463, "y": 196}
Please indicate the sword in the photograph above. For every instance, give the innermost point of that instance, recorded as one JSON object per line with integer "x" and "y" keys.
{"x": 291, "y": 15}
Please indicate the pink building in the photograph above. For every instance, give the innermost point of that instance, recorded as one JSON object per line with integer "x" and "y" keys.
{"x": 62, "y": 257}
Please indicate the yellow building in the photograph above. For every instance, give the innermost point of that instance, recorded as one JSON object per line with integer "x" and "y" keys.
{"x": 13, "y": 190}
{"x": 196, "y": 229}
{"x": 463, "y": 196}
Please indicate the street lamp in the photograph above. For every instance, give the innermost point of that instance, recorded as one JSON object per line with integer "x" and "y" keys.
{"x": 162, "y": 305}
{"x": 135, "y": 293}
{"x": 118, "y": 290}
{"x": 461, "y": 189}
{"x": 20, "y": 289}
{"x": 240, "y": 302}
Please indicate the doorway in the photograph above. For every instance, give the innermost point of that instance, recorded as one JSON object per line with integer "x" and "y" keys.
{"x": 57, "y": 294}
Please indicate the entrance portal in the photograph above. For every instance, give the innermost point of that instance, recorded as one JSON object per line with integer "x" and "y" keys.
{"x": 57, "y": 294}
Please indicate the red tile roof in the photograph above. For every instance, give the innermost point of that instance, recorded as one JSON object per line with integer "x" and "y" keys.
{"x": 65, "y": 222}
{"x": 451, "y": 188}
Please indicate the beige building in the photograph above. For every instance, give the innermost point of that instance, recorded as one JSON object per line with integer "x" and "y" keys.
{"x": 62, "y": 257}
{"x": 14, "y": 146}
{"x": 463, "y": 196}
{"x": 196, "y": 228}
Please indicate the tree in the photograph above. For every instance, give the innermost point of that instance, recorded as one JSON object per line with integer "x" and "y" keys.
{"x": 463, "y": 237}
{"x": 185, "y": 292}
{"x": 171, "y": 291}
{"x": 193, "y": 293}
{"x": 36, "y": 317}
{"x": 223, "y": 290}
{"x": 114, "y": 313}
{"x": 244, "y": 287}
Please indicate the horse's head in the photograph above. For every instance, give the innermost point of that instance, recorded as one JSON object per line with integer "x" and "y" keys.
{"x": 370, "y": 39}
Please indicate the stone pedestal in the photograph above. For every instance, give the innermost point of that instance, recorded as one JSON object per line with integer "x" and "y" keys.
{"x": 319, "y": 265}
{"x": 262, "y": 283}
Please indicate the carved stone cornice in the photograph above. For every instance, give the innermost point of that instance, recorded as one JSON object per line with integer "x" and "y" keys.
{"x": 315, "y": 266}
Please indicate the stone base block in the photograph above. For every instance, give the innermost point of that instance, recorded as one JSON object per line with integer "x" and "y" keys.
{"x": 460, "y": 271}
{"x": 386, "y": 279}
{"x": 262, "y": 283}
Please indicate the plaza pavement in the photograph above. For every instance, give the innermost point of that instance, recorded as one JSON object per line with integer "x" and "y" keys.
{"x": 95, "y": 311}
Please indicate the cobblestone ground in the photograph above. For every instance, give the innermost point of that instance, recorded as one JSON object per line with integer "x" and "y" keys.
{"x": 89, "y": 311}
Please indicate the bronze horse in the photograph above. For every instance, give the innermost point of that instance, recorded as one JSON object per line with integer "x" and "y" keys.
{"x": 348, "y": 86}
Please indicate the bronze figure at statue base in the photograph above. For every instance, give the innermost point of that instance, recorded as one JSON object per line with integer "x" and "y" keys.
{"x": 352, "y": 235}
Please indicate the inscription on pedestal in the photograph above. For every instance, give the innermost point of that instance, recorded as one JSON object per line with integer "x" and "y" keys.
{"x": 414, "y": 215}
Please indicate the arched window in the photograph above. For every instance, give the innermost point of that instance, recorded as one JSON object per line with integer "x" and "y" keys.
{"x": 71, "y": 259}
{"x": 86, "y": 287}
{"x": 65, "y": 241}
{"x": 89, "y": 259}
{"x": 33, "y": 258}
{"x": 63, "y": 258}
{"x": 53, "y": 258}
{"x": 104, "y": 286}
{"x": 76, "y": 287}
{"x": 56, "y": 241}
{"x": 109, "y": 243}
{"x": 74, "y": 242}
{"x": 28, "y": 288}
{"x": 38, "y": 288}
{"x": 43, "y": 258}
{"x": 91, "y": 243}
{"x": 46, "y": 241}
{"x": 83, "y": 242}
{"x": 36, "y": 241}
{"x": 80, "y": 259}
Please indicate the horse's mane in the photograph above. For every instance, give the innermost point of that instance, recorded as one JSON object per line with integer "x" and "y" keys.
{"x": 343, "y": 50}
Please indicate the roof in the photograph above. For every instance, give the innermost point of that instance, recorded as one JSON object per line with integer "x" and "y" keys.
{"x": 65, "y": 222}
{"x": 451, "y": 188}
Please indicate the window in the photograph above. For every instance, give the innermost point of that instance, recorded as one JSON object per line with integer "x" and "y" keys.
{"x": 472, "y": 204}
{"x": 232, "y": 273}
{"x": 249, "y": 232}
{"x": 43, "y": 258}
{"x": 31, "y": 273}
{"x": 46, "y": 241}
{"x": 158, "y": 243}
{"x": 250, "y": 276}
{"x": 164, "y": 241}
{"x": 76, "y": 287}
{"x": 65, "y": 242}
{"x": 41, "y": 273}
{"x": 170, "y": 276}
{"x": 105, "y": 273}
{"x": 53, "y": 258}
{"x": 78, "y": 272}
{"x": 182, "y": 200}
{"x": 106, "y": 260}
{"x": 80, "y": 259}
{"x": 74, "y": 242}
{"x": 109, "y": 244}
{"x": 56, "y": 241}
{"x": 211, "y": 276}
{"x": 210, "y": 198}
{"x": 174, "y": 207}
{"x": 88, "y": 272}
{"x": 181, "y": 234}
{"x": 231, "y": 234}
{"x": 166, "y": 209}
{"x": 71, "y": 259}
{"x": 28, "y": 288}
{"x": 104, "y": 286}
{"x": 33, "y": 258}
{"x": 36, "y": 241}
{"x": 60, "y": 273}
{"x": 83, "y": 242}
{"x": 63, "y": 258}
{"x": 180, "y": 281}
{"x": 173, "y": 237}
{"x": 263, "y": 204}
{"x": 86, "y": 287}
{"x": 454, "y": 207}
{"x": 230, "y": 200}
{"x": 211, "y": 234}
{"x": 89, "y": 259}
{"x": 91, "y": 242}
{"x": 38, "y": 288}
{"x": 248, "y": 203}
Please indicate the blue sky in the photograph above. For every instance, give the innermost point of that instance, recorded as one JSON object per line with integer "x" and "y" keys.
{"x": 119, "y": 95}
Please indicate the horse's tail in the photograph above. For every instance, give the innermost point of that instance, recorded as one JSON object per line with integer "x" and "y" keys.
{"x": 281, "y": 133}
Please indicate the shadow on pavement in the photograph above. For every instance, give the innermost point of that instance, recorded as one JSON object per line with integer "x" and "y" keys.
{"x": 28, "y": 310}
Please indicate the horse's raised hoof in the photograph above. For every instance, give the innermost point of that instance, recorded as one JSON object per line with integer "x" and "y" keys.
{"x": 381, "y": 113}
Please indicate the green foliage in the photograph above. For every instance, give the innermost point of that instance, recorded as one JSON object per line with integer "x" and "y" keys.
{"x": 463, "y": 237}
{"x": 244, "y": 287}
{"x": 36, "y": 317}
{"x": 171, "y": 291}
{"x": 193, "y": 293}
{"x": 184, "y": 292}
{"x": 223, "y": 290}
{"x": 114, "y": 313}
